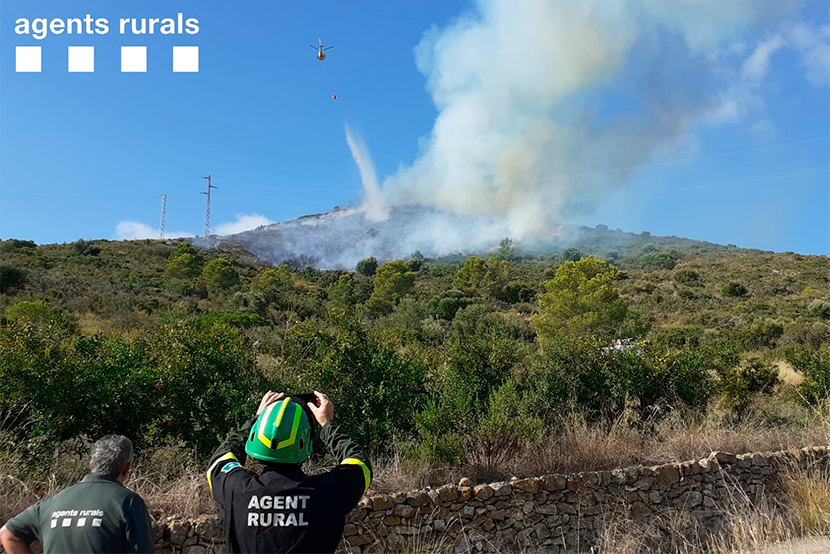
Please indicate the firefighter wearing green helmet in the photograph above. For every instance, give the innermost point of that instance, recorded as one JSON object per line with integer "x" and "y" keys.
{"x": 282, "y": 509}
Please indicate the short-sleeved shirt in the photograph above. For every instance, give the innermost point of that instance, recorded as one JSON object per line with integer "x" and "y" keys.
{"x": 96, "y": 515}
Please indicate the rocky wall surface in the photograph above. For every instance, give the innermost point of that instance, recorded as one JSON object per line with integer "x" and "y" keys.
{"x": 557, "y": 513}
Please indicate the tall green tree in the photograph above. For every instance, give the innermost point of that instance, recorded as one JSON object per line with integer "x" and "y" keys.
{"x": 482, "y": 278}
{"x": 581, "y": 299}
{"x": 185, "y": 262}
{"x": 392, "y": 280}
{"x": 219, "y": 274}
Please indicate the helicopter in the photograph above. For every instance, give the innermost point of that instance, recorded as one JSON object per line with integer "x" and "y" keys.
{"x": 320, "y": 49}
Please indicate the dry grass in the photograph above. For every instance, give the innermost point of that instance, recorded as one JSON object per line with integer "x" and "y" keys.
{"x": 808, "y": 492}
{"x": 172, "y": 483}
{"x": 787, "y": 373}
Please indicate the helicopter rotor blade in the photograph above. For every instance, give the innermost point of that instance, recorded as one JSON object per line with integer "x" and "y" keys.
{"x": 328, "y": 47}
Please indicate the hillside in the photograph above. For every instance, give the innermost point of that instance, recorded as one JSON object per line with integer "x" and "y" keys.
{"x": 341, "y": 238}
{"x": 489, "y": 366}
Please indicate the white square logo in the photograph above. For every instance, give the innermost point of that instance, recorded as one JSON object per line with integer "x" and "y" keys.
{"x": 96, "y": 522}
{"x": 81, "y": 521}
{"x": 27, "y": 59}
{"x": 54, "y": 523}
{"x": 67, "y": 521}
{"x": 133, "y": 59}
{"x": 185, "y": 59}
{"x": 81, "y": 59}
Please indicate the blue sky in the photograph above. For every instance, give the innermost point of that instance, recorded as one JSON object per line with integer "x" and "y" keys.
{"x": 742, "y": 159}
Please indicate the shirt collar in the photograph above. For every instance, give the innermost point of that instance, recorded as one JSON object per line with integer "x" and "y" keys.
{"x": 98, "y": 478}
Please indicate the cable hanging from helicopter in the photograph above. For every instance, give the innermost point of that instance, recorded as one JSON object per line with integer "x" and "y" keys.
{"x": 321, "y": 55}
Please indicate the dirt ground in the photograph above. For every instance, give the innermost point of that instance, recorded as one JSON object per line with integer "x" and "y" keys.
{"x": 815, "y": 545}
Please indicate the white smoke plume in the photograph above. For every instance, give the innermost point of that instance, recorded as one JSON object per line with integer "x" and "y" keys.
{"x": 244, "y": 222}
{"x": 541, "y": 101}
{"x": 374, "y": 202}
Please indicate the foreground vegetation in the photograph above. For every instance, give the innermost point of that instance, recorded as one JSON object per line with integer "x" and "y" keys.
{"x": 486, "y": 366}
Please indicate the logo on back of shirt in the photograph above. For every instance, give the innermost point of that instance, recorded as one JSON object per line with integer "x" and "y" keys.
{"x": 80, "y": 518}
{"x": 277, "y": 519}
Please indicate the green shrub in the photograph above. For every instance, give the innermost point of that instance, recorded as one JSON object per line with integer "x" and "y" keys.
{"x": 686, "y": 276}
{"x": 187, "y": 383}
{"x": 571, "y": 255}
{"x": 11, "y": 277}
{"x": 817, "y": 308}
{"x": 659, "y": 260}
{"x": 814, "y": 365}
{"x": 739, "y": 384}
{"x": 374, "y": 389}
{"x": 392, "y": 281}
{"x": 367, "y": 266}
{"x": 605, "y": 381}
{"x": 447, "y": 303}
{"x": 762, "y": 334}
{"x": 342, "y": 291}
{"x": 219, "y": 275}
{"x": 39, "y": 314}
{"x": 11, "y": 245}
{"x": 735, "y": 290}
{"x": 85, "y": 248}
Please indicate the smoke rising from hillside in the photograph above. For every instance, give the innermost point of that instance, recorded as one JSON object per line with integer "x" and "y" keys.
{"x": 525, "y": 91}
{"x": 373, "y": 201}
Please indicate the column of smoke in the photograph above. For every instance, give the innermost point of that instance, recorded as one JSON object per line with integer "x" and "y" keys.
{"x": 523, "y": 89}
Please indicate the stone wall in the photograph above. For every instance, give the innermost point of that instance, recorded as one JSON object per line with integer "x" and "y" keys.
{"x": 555, "y": 512}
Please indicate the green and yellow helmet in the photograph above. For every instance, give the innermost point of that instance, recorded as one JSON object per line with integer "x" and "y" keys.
{"x": 281, "y": 434}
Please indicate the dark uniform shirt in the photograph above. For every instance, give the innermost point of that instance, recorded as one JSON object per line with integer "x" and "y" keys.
{"x": 96, "y": 515}
{"x": 283, "y": 509}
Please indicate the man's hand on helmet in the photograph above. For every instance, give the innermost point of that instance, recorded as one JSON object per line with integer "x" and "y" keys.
{"x": 268, "y": 399}
{"x": 323, "y": 409}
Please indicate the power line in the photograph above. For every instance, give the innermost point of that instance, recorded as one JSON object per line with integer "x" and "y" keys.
{"x": 164, "y": 198}
{"x": 207, "y": 210}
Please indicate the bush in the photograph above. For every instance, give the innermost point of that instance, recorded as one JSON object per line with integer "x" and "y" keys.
{"x": 187, "y": 383}
{"x": 39, "y": 314}
{"x": 85, "y": 248}
{"x": 762, "y": 334}
{"x": 659, "y": 260}
{"x": 735, "y": 290}
{"x": 375, "y": 390}
{"x": 817, "y": 308}
{"x": 814, "y": 365}
{"x": 342, "y": 292}
{"x": 571, "y": 255}
{"x": 392, "y": 281}
{"x": 11, "y": 245}
{"x": 741, "y": 383}
{"x": 11, "y": 277}
{"x": 367, "y": 266}
{"x": 447, "y": 303}
{"x": 219, "y": 275}
{"x": 686, "y": 276}
{"x": 605, "y": 382}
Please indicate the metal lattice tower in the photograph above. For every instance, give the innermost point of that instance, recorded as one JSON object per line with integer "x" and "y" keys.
{"x": 207, "y": 210}
{"x": 164, "y": 198}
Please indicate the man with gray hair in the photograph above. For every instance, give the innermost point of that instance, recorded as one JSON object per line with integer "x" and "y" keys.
{"x": 96, "y": 515}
